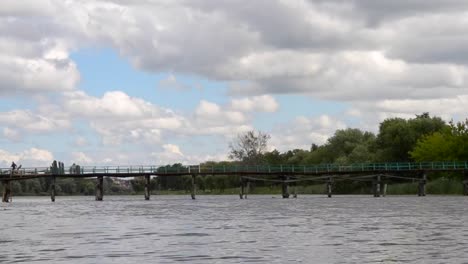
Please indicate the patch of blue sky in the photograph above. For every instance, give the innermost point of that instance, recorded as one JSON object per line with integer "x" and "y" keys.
{"x": 13, "y": 103}
{"x": 50, "y": 141}
{"x": 103, "y": 70}
{"x": 82, "y": 130}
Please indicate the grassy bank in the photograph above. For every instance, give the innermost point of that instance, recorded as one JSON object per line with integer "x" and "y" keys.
{"x": 438, "y": 186}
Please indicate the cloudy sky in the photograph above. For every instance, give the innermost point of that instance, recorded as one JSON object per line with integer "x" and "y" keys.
{"x": 158, "y": 81}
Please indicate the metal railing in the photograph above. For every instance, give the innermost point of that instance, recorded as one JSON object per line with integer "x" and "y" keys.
{"x": 253, "y": 169}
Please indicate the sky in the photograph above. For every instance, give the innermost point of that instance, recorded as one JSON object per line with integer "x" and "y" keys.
{"x": 152, "y": 82}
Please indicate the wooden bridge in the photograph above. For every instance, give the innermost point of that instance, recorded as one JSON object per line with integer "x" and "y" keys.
{"x": 284, "y": 175}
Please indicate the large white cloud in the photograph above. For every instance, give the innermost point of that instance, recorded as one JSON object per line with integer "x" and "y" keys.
{"x": 119, "y": 118}
{"x": 264, "y": 103}
{"x": 34, "y": 49}
{"x": 17, "y": 123}
{"x": 28, "y": 158}
{"x": 304, "y": 131}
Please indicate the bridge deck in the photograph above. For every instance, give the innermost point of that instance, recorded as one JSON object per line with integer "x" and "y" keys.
{"x": 320, "y": 169}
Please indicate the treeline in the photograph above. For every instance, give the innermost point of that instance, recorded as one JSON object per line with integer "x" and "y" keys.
{"x": 68, "y": 186}
{"x": 422, "y": 138}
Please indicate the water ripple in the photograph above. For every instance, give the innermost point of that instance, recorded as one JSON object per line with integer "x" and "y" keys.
{"x": 225, "y": 229}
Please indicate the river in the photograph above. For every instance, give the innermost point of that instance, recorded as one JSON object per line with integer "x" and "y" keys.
{"x": 225, "y": 229}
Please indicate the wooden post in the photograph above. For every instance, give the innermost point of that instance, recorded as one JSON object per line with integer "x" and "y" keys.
{"x": 100, "y": 188}
{"x": 247, "y": 189}
{"x": 329, "y": 187}
{"x": 295, "y": 190}
{"x": 6, "y": 192}
{"x": 241, "y": 188}
{"x": 285, "y": 187}
{"x": 422, "y": 185}
{"x": 465, "y": 182}
{"x": 193, "y": 189}
{"x": 384, "y": 189}
{"x": 376, "y": 186}
{"x": 147, "y": 187}
{"x": 52, "y": 188}
{"x": 55, "y": 170}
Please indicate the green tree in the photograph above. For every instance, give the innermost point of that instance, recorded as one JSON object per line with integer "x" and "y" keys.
{"x": 209, "y": 183}
{"x": 67, "y": 185}
{"x": 273, "y": 158}
{"x": 296, "y": 157}
{"x": 450, "y": 144}
{"x": 200, "y": 182}
{"x": 398, "y": 136}
{"x": 220, "y": 182}
{"x": 171, "y": 182}
{"x": 349, "y": 145}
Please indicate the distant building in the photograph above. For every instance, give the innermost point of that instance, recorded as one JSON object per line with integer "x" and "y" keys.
{"x": 124, "y": 184}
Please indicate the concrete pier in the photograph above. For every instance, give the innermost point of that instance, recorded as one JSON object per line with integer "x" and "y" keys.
{"x": 247, "y": 189}
{"x": 465, "y": 182}
{"x": 294, "y": 190}
{"x": 6, "y": 192}
{"x": 384, "y": 189}
{"x": 147, "y": 187}
{"x": 329, "y": 187}
{"x": 376, "y": 185}
{"x": 242, "y": 188}
{"x": 193, "y": 187}
{"x": 422, "y": 185}
{"x": 52, "y": 188}
{"x": 100, "y": 188}
{"x": 285, "y": 187}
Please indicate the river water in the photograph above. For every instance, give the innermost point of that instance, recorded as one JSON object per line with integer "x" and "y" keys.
{"x": 225, "y": 229}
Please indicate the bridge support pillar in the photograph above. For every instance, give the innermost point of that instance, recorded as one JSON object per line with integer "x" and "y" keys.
{"x": 147, "y": 187}
{"x": 193, "y": 189}
{"x": 376, "y": 185}
{"x": 52, "y": 188}
{"x": 285, "y": 187}
{"x": 99, "y": 188}
{"x": 294, "y": 190}
{"x": 422, "y": 185}
{"x": 329, "y": 187}
{"x": 465, "y": 183}
{"x": 247, "y": 189}
{"x": 384, "y": 189}
{"x": 6, "y": 192}
{"x": 242, "y": 188}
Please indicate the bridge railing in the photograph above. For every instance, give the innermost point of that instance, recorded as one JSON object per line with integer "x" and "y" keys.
{"x": 229, "y": 169}
{"x": 25, "y": 171}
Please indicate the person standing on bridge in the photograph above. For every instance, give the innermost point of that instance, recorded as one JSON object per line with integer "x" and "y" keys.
{"x": 13, "y": 166}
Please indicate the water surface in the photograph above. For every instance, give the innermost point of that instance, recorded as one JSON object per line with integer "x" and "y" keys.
{"x": 225, "y": 229}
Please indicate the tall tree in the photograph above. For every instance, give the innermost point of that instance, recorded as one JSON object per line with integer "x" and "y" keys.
{"x": 345, "y": 146}
{"x": 249, "y": 147}
{"x": 398, "y": 136}
{"x": 450, "y": 144}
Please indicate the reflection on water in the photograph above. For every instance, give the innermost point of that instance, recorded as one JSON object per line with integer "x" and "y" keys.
{"x": 225, "y": 229}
